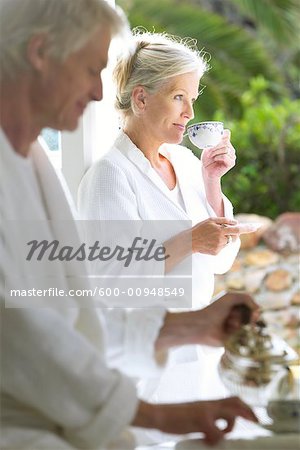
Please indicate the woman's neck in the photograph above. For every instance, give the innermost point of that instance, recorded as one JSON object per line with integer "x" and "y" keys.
{"x": 144, "y": 141}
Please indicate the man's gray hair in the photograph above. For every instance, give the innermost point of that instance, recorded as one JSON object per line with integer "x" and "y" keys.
{"x": 67, "y": 24}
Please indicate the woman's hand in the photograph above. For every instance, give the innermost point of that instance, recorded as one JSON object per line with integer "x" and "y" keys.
{"x": 218, "y": 160}
{"x": 211, "y": 235}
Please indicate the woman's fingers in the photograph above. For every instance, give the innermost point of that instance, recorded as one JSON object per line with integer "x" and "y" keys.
{"x": 224, "y": 154}
{"x": 227, "y": 133}
{"x": 225, "y": 149}
{"x": 224, "y": 221}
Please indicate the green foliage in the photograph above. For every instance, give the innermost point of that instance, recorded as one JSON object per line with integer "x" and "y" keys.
{"x": 266, "y": 177}
{"x": 276, "y": 25}
{"x": 236, "y": 55}
{"x": 279, "y": 17}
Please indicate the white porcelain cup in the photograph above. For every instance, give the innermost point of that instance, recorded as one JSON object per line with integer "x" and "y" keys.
{"x": 284, "y": 410}
{"x": 205, "y": 134}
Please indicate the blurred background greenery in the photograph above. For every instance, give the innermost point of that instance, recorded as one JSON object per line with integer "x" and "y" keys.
{"x": 253, "y": 86}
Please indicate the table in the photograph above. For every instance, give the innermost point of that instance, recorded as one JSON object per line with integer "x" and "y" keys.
{"x": 245, "y": 435}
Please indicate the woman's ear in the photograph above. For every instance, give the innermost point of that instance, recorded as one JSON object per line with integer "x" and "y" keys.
{"x": 139, "y": 96}
{"x": 37, "y": 52}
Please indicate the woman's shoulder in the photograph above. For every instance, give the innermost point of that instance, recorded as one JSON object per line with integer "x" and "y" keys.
{"x": 112, "y": 167}
{"x": 113, "y": 158}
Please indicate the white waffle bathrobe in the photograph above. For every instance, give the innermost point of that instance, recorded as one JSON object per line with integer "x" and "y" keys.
{"x": 123, "y": 186}
{"x": 56, "y": 389}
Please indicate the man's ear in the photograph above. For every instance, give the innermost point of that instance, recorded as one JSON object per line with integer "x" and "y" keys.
{"x": 37, "y": 51}
{"x": 139, "y": 97}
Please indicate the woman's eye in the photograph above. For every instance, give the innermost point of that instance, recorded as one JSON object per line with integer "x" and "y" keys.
{"x": 178, "y": 97}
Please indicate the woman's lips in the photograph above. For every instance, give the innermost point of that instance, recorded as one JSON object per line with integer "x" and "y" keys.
{"x": 180, "y": 127}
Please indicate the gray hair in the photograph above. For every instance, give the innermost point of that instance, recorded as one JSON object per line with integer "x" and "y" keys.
{"x": 68, "y": 25}
{"x": 152, "y": 60}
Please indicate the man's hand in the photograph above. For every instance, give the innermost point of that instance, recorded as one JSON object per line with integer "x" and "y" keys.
{"x": 194, "y": 417}
{"x": 210, "y": 326}
{"x": 224, "y": 316}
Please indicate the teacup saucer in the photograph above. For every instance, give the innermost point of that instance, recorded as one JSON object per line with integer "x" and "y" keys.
{"x": 249, "y": 227}
{"x": 289, "y": 426}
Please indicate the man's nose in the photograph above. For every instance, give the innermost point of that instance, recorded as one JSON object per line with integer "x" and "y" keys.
{"x": 97, "y": 90}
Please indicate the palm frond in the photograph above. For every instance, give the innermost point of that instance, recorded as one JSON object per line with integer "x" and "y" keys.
{"x": 280, "y": 17}
{"x": 236, "y": 55}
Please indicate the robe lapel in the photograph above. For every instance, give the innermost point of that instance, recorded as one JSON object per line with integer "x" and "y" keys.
{"x": 189, "y": 191}
{"x": 136, "y": 156}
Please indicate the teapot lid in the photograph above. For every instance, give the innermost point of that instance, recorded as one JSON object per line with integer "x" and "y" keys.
{"x": 254, "y": 343}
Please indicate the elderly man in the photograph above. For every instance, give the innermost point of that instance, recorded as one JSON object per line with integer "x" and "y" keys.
{"x": 56, "y": 390}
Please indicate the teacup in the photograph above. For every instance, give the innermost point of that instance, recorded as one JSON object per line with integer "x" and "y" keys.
{"x": 284, "y": 409}
{"x": 285, "y": 414}
{"x": 205, "y": 134}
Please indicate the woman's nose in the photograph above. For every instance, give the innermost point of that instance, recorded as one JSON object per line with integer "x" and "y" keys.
{"x": 189, "y": 111}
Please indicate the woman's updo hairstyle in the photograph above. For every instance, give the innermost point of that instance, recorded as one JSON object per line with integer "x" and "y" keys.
{"x": 152, "y": 60}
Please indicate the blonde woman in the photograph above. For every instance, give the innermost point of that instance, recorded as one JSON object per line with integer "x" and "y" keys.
{"x": 147, "y": 175}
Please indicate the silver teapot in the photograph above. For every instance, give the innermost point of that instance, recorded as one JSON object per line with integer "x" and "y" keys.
{"x": 255, "y": 365}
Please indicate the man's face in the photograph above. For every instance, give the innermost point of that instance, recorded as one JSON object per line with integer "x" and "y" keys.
{"x": 63, "y": 90}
